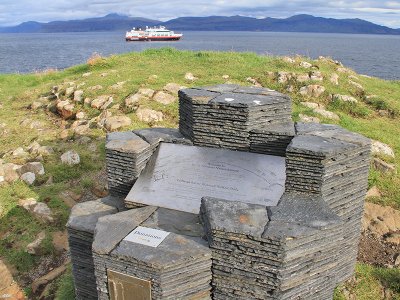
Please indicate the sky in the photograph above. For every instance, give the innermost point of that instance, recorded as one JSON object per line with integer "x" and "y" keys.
{"x": 13, "y": 12}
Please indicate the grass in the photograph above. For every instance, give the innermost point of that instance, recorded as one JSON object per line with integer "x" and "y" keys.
{"x": 17, "y": 92}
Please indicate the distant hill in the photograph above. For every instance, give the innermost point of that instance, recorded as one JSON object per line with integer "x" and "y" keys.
{"x": 298, "y": 23}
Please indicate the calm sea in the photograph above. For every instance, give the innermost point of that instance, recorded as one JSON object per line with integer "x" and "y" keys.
{"x": 374, "y": 55}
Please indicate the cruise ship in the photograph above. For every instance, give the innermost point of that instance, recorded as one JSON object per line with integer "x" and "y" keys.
{"x": 152, "y": 34}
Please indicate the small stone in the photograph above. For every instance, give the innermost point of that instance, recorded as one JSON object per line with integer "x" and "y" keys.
{"x": 33, "y": 147}
{"x": 87, "y": 101}
{"x": 146, "y": 92}
{"x": 9, "y": 289}
{"x": 308, "y": 119}
{"x": 60, "y": 241}
{"x": 19, "y": 152}
{"x": 316, "y": 76}
{"x": 81, "y": 115}
{"x": 284, "y": 77}
{"x": 312, "y": 90}
{"x": 397, "y": 260}
{"x": 45, "y": 150}
{"x": 153, "y": 77}
{"x": 311, "y": 105}
{"x": 327, "y": 114}
{"x": 82, "y": 129}
{"x": 36, "y": 105}
{"x": 373, "y": 192}
{"x": 65, "y": 109}
{"x": 117, "y": 122}
{"x": 34, "y": 167}
{"x": 28, "y": 177}
{"x": 103, "y": 74}
{"x": 345, "y": 98}
{"x": 302, "y": 77}
{"x": 132, "y": 101}
{"x": 383, "y": 167}
{"x": 190, "y": 77}
{"x": 226, "y": 77}
{"x": 107, "y": 104}
{"x": 34, "y": 247}
{"x": 305, "y": 65}
{"x": 288, "y": 59}
{"x": 164, "y": 98}
{"x": 43, "y": 212}
{"x": 381, "y": 148}
{"x": 69, "y": 91}
{"x": 253, "y": 81}
{"x": 10, "y": 172}
{"x": 100, "y": 101}
{"x": 118, "y": 85}
{"x": 173, "y": 88}
{"x": 86, "y": 74}
{"x": 70, "y": 158}
{"x": 334, "y": 79}
{"x": 149, "y": 115}
{"x": 95, "y": 87}
{"x": 78, "y": 96}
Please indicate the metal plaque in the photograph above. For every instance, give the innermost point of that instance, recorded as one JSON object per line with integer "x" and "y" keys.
{"x": 125, "y": 287}
{"x": 178, "y": 176}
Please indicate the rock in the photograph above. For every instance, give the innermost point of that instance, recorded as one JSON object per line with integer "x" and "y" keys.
{"x": 344, "y": 70}
{"x": 70, "y": 158}
{"x": 226, "y": 77}
{"x": 149, "y": 115}
{"x": 305, "y": 65}
{"x": 132, "y": 101}
{"x": 107, "y": 104}
{"x": 95, "y": 87}
{"x": 33, "y": 167}
{"x": 100, "y": 120}
{"x": 34, "y": 247}
{"x": 10, "y": 172}
{"x": 69, "y": 91}
{"x": 51, "y": 276}
{"x": 99, "y": 190}
{"x": 334, "y": 79}
{"x": 153, "y": 77}
{"x": 356, "y": 85}
{"x": 78, "y": 123}
{"x": 146, "y": 92}
{"x": 190, "y": 77}
{"x": 9, "y": 289}
{"x": 311, "y": 105}
{"x": 302, "y": 77}
{"x": 2, "y": 180}
{"x": 78, "y": 96}
{"x": 60, "y": 241}
{"x": 70, "y": 198}
{"x": 45, "y": 150}
{"x": 116, "y": 122}
{"x": 36, "y": 105}
{"x": 82, "y": 129}
{"x": 87, "y": 101}
{"x": 288, "y": 59}
{"x": 382, "y": 221}
{"x": 43, "y": 212}
{"x": 284, "y": 77}
{"x": 86, "y": 74}
{"x": 290, "y": 88}
{"x": 101, "y": 101}
{"x": 308, "y": 119}
{"x": 312, "y": 90}
{"x": 381, "y": 148}
{"x": 19, "y": 152}
{"x": 397, "y": 261}
{"x": 373, "y": 192}
{"x": 316, "y": 76}
{"x": 33, "y": 147}
{"x": 164, "y": 98}
{"x": 327, "y": 114}
{"x": 28, "y": 204}
{"x": 118, "y": 85}
{"x": 81, "y": 115}
{"x": 173, "y": 88}
{"x": 65, "y": 109}
{"x": 382, "y": 166}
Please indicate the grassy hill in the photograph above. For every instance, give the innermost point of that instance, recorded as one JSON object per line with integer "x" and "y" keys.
{"x": 27, "y": 115}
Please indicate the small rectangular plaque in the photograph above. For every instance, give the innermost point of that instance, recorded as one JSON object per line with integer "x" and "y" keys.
{"x": 122, "y": 287}
{"x": 178, "y": 176}
{"x": 146, "y": 236}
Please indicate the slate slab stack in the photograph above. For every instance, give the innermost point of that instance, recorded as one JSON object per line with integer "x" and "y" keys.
{"x": 224, "y": 115}
{"x": 178, "y": 268}
{"x": 272, "y": 139}
{"x": 283, "y": 252}
{"x": 127, "y": 153}
{"x": 80, "y": 227}
{"x": 332, "y": 162}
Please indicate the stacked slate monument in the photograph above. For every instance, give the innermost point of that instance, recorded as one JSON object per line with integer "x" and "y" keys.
{"x": 80, "y": 227}
{"x": 298, "y": 245}
{"x": 179, "y": 268}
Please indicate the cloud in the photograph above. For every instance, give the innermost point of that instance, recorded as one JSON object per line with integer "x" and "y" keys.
{"x": 13, "y": 12}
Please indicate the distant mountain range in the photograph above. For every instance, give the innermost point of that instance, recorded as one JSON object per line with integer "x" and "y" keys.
{"x": 297, "y": 23}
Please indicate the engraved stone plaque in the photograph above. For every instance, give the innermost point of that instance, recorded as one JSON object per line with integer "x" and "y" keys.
{"x": 124, "y": 287}
{"x": 178, "y": 176}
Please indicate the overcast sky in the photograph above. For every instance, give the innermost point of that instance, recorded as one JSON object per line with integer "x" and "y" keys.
{"x": 13, "y": 12}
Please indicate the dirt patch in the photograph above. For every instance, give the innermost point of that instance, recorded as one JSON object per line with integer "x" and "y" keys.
{"x": 375, "y": 251}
